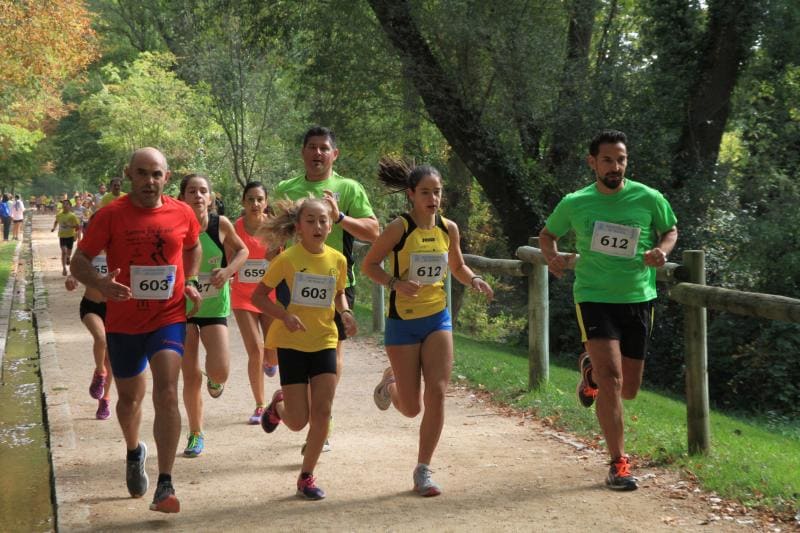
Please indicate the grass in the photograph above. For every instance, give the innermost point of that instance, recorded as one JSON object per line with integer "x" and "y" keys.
{"x": 6, "y": 255}
{"x": 753, "y": 460}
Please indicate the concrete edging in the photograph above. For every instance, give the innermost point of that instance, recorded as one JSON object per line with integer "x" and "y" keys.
{"x": 6, "y": 301}
{"x": 69, "y": 514}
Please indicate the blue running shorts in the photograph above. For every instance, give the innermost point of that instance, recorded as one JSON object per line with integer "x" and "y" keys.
{"x": 129, "y": 354}
{"x": 415, "y": 330}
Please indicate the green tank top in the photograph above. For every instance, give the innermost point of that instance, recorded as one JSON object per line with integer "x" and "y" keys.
{"x": 216, "y": 302}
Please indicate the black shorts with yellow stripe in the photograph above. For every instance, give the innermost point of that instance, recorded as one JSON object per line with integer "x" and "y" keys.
{"x": 630, "y": 324}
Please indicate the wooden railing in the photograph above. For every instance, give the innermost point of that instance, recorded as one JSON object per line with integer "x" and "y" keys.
{"x": 687, "y": 286}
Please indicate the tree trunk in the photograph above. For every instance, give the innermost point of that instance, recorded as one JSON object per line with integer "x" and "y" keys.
{"x": 728, "y": 39}
{"x": 480, "y": 149}
{"x": 458, "y": 208}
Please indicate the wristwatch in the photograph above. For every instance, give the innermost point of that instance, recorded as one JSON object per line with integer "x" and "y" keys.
{"x": 341, "y": 217}
{"x": 193, "y": 281}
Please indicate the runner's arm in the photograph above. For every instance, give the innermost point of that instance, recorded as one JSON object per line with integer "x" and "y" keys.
{"x": 556, "y": 262}
{"x": 383, "y": 245}
{"x": 461, "y": 271}
{"x": 658, "y": 255}
{"x": 261, "y": 300}
{"x": 363, "y": 229}
{"x": 235, "y": 250}
{"x": 81, "y": 268}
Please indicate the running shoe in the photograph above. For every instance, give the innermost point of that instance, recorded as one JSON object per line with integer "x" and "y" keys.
{"x": 381, "y": 393}
{"x": 135, "y": 474}
{"x": 214, "y": 389}
{"x": 103, "y": 410}
{"x": 164, "y": 500}
{"x": 270, "y": 418}
{"x": 255, "y": 418}
{"x": 307, "y": 487}
{"x": 270, "y": 370}
{"x": 423, "y": 483}
{"x": 619, "y": 475}
{"x": 587, "y": 389}
{"x": 98, "y": 386}
{"x": 195, "y": 445}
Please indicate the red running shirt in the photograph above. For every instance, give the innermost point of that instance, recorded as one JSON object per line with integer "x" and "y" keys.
{"x": 143, "y": 237}
{"x": 247, "y": 279}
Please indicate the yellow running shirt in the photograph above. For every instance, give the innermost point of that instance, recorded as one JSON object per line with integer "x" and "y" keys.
{"x": 421, "y": 255}
{"x": 67, "y": 224}
{"x": 306, "y": 284}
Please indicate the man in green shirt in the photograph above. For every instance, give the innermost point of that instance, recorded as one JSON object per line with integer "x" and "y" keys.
{"x": 352, "y": 213}
{"x": 623, "y": 231}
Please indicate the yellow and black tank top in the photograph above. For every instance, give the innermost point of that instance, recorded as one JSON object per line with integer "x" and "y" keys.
{"x": 421, "y": 255}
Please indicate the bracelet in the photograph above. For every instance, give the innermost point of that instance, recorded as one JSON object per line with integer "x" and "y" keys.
{"x": 472, "y": 281}
{"x": 349, "y": 311}
{"x": 194, "y": 281}
{"x": 390, "y": 284}
{"x": 341, "y": 217}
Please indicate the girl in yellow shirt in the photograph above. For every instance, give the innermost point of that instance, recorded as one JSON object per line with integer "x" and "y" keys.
{"x": 422, "y": 246}
{"x": 309, "y": 279}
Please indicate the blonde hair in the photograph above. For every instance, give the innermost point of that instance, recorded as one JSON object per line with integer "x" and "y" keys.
{"x": 278, "y": 229}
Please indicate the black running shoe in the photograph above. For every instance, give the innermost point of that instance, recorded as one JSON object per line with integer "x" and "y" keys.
{"x": 619, "y": 475}
{"x": 587, "y": 389}
{"x": 135, "y": 474}
{"x": 270, "y": 417}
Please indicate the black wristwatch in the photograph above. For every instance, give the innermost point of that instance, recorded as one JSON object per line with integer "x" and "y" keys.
{"x": 193, "y": 282}
{"x": 341, "y": 217}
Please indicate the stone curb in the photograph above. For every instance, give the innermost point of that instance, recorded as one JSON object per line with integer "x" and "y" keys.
{"x": 6, "y": 301}
{"x": 69, "y": 514}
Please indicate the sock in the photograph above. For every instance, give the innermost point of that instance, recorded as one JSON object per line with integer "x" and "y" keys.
{"x": 305, "y": 475}
{"x": 420, "y": 465}
{"x": 165, "y": 478}
{"x": 135, "y": 454}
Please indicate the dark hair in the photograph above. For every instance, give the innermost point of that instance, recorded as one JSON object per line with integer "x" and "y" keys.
{"x": 606, "y": 137}
{"x": 253, "y": 185}
{"x": 399, "y": 175}
{"x": 185, "y": 183}
{"x": 319, "y": 131}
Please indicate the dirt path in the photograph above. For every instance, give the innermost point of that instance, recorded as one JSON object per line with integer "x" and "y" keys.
{"x": 498, "y": 473}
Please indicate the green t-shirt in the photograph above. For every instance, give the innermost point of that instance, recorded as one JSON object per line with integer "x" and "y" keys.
{"x": 216, "y": 302}
{"x": 612, "y": 233}
{"x": 352, "y": 200}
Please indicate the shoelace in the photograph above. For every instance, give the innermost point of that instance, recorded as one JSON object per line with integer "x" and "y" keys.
{"x": 194, "y": 440}
{"x": 623, "y": 467}
{"x": 424, "y": 476}
{"x": 308, "y": 483}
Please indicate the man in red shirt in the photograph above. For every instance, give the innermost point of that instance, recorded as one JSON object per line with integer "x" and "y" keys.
{"x": 153, "y": 254}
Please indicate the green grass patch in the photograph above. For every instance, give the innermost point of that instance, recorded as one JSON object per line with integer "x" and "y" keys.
{"x": 6, "y": 256}
{"x": 753, "y": 460}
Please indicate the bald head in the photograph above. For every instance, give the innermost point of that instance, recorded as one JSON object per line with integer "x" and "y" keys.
{"x": 149, "y": 153}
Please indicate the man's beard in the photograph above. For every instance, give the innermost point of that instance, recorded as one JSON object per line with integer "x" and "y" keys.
{"x": 612, "y": 181}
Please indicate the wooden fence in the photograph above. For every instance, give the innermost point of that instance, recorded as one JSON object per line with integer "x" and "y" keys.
{"x": 687, "y": 286}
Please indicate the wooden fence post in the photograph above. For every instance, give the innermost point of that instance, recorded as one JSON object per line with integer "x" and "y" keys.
{"x": 377, "y": 307}
{"x": 538, "y": 324}
{"x": 697, "y": 405}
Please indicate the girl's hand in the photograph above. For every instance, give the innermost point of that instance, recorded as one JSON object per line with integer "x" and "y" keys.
{"x": 293, "y": 323}
{"x": 350, "y": 324}
{"x": 407, "y": 288}
{"x": 219, "y": 276}
{"x": 481, "y": 286}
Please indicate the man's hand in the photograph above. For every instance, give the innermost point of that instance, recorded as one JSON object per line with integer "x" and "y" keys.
{"x": 655, "y": 257}
{"x": 407, "y": 288}
{"x": 111, "y": 289}
{"x": 559, "y": 263}
{"x": 194, "y": 295}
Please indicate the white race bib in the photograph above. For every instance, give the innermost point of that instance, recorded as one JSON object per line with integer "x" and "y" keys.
{"x": 153, "y": 282}
{"x": 253, "y": 270}
{"x": 427, "y": 269}
{"x": 206, "y": 289}
{"x": 100, "y": 264}
{"x": 313, "y": 290}
{"x": 615, "y": 239}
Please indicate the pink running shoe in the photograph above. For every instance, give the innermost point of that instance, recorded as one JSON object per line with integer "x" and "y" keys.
{"x": 103, "y": 410}
{"x": 255, "y": 418}
{"x": 98, "y": 385}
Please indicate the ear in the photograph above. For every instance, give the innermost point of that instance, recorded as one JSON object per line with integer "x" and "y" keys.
{"x": 335, "y": 154}
{"x": 591, "y": 161}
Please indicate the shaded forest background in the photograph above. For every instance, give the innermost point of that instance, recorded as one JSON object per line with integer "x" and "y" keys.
{"x": 501, "y": 97}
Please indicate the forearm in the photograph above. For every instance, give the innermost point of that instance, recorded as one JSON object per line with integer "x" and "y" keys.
{"x": 261, "y": 300}
{"x": 464, "y": 274}
{"x": 363, "y": 229}
{"x": 191, "y": 260}
{"x": 547, "y": 244}
{"x": 668, "y": 239}
{"x": 82, "y": 270}
{"x": 237, "y": 261}
{"x": 341, "y": 302}
{"x": 376, "y": 273}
